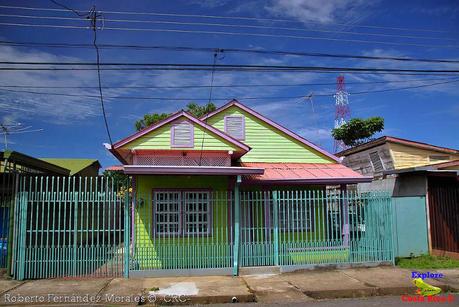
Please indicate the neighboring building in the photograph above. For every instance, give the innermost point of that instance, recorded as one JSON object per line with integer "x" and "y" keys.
{"x": 424, "y": 182}
{"x": 16, "y": 162}
{"x": 187, "y": 171}
{"x": 77, "y": 167}
{"x": 389, "y": 153}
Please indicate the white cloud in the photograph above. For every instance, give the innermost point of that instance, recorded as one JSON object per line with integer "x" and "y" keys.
{"x": 315, "y": 134}
{"x": 322, "y": 11}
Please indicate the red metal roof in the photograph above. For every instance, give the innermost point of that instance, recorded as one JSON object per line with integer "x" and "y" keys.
{"x": 330, "y": 173}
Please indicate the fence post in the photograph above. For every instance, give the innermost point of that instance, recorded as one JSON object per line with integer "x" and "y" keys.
{"x": 345, "y": 214}
{"x": 23, "y": 200}
{"x": 276, "y": 227}
{"x": 127, "y": 228}
{"x": 75, "y": 232}
{"x": 237, "y": 209}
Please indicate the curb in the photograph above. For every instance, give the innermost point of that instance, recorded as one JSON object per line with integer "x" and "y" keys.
{"x": 211, "y": 299}
{"x": 347, "y": 293}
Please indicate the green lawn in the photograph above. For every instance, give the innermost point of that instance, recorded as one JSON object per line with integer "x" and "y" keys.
{"x": 427, "y": 262}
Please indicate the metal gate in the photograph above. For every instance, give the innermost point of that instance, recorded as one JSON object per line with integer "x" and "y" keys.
{"x": 67, "y": 226}
{"x": 444, "y": 216}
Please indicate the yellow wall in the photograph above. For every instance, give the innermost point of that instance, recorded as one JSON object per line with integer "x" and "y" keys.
{"x": 408, "y": 156}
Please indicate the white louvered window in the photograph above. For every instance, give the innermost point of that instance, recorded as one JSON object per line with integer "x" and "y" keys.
{"x": 182, "y": 135}
{"x": 235, "y": 126}
{"x": 376, "y": 161}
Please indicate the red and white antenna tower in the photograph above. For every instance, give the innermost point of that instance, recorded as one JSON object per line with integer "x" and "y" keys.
{"x": 342, "y": 111}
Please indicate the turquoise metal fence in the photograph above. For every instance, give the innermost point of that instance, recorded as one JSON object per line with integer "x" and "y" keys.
{"x": 178, "y": 231}
{"x": 67, "y": 226}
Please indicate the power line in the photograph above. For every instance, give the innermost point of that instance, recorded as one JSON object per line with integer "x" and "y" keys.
{"x": 301, "y": 37}
{"x": 217, "y": 85}
{"x": 208, "y": 24}
{"x": 204, "y": 67}
{"x": 233, "y": 18}
{"x": 224, "y": 99}
{"x": 228, "y": 50}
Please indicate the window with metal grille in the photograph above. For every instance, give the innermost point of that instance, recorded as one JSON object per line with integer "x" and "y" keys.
{"x": 376, "y": 161}
{"x": 182, "y": 135}
{"x": 235, "y": 126}
{"x": 296, "y": 216}
{"x": 167, "y": 213}
{"x": 181, "y": 212}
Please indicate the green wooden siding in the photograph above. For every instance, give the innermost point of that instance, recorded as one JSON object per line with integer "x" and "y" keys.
{"x": 174, "y": 252}
{"x": 161, "y": 139}
{"x": 268, "y": 143}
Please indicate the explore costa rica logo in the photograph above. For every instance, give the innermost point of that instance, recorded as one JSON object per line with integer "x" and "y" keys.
{"x": 425, "y": 292}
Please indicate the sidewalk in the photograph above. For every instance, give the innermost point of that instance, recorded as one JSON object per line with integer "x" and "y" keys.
{"x": 302, "y": 286}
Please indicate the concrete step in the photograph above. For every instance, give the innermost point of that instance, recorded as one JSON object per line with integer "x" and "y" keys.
{"x": 257, "y": 270}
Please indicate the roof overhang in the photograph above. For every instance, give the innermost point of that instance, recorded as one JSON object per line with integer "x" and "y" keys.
{"x": 421, "y": 170}
{"x": 304, "y": 173}
{"x": 190, "y": 170}
{"x": 329, "y": 181}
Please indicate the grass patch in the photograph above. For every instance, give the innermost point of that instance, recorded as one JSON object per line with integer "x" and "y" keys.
{"x": 427, "y": 262}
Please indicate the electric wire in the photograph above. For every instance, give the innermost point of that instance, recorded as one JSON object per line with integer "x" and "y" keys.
{"x": 299, "y": 37}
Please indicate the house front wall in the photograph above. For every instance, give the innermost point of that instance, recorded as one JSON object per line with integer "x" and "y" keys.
{"x": 268, "y": 143}
{"x": 409, "y": 156}
{"x": 166, "y": 251}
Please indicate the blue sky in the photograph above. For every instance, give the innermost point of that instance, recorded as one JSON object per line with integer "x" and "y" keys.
{"x": 73, "y": 126}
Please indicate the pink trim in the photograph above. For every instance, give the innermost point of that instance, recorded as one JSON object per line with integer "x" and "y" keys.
{"x": 234, "y": 102}
{"x": 191, "y": 139}
{"x": 242, "y": 128}
{"x": 191, "y": 170}
{"x": 171, "y": 118}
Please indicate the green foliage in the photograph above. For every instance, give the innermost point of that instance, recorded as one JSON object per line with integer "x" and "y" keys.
{"x": 358, "y": 130}
{"x": 119, "y": 178}
{"x": 149, "y": 119}
{"x": 192, "y": 108}
{"x": 427, "y": 262}
{"x": 199, "y": 111}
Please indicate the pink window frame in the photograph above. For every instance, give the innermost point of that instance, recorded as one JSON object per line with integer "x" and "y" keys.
{"x": 243, "y": 126}
{"x": 191, "y": 140}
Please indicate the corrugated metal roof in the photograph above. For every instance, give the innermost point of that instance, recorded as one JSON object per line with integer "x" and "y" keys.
{"x": 304, "y": 173}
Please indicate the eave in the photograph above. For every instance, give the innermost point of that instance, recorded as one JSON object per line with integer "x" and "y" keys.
{"x": 190, "y": 170}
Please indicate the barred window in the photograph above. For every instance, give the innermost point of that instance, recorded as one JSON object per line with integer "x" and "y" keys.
{"x": 296, "y": 216}
{"x": 167, "y": 212}
{"x": 182, "y": 212}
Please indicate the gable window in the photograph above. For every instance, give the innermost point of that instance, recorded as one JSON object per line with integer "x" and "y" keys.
{"x": 182, "y": 135}
{"x": 376, "y": 161}
{"x": 181, "y": 212}
{"x": 235, "y": 126}
{"x": 436, "y": 158}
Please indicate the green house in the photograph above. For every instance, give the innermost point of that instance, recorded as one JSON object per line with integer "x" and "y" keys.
{"x": 232, "y": 189}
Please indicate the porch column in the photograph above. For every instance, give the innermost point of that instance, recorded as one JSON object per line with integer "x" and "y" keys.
{"x": 237, "y": 216}
{"x": 126, "y": 234}
{"x": 345, "y": 212}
